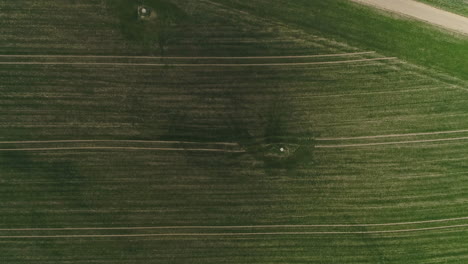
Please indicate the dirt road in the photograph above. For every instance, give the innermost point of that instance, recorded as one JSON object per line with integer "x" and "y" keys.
{"x": 422, "y": 12}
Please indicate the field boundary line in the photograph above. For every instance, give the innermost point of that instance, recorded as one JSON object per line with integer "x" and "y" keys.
{"x": 394, "y": 135}
{"x": 199, "y": 65}
{"x": 243, "y": 233}
{"x": 236, "y": 227}
{"x": 187, "y": 58}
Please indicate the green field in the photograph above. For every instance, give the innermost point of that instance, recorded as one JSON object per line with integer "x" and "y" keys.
{"x": 157, "y": 139}
{"x": 456, "y": 6}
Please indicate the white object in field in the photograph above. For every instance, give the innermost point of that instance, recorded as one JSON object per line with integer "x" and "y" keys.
{"x": 143, "y": 10}
{"x": 282, "y": 149}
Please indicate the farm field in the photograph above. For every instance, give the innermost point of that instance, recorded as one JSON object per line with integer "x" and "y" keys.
{"x": 224, "y": 134}
{"x": 366, "y": 28}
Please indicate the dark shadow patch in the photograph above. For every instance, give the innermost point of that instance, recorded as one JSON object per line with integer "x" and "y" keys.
{"x": 156, "y": 30}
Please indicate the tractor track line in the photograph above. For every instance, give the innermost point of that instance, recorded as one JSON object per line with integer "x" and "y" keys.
{"x": 188, "y": 58}
{"x": 394, "y": 135}
{"x": 391, "y": 143}
{"x": 115, "y": 141}
{"x": 235, "y": 227}
{"x": 123, "y": 148}
{"x": 241, "y": 234}
{"x": 200, "y": 65}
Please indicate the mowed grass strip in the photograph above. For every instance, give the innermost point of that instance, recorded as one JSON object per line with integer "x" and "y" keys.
{"x": 347, "y": 249}
{"x": 330, "y": 100}
{"x": 378, "y": 187}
